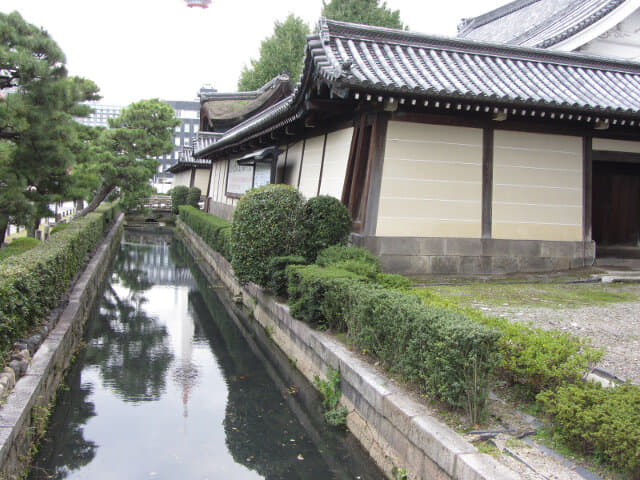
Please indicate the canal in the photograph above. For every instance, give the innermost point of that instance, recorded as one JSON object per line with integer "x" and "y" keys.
{"x": 173, "y": 382}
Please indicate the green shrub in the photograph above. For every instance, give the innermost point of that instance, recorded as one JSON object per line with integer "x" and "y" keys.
{"x": 214, "y": 231}
{"x": 537, "y": 359}
{"x": 266, "y": 224}
{"x": 193, "y": 197}
{"x": 18, "y": 246}
{"x": 445, "y": 353}
{"x": 354, "y": 259}
{"x": 179, "y": 196}
{"x": 603, "y": 422}
{"x": 58, "y": 228}
{"x": 278, "y": 275}
{"x": 394, "y": 281}
{"x": 34, "y": 282}
{"x": 326, "y": 222}
{"x": 322, "y": 295}
{"x": 532, "y": 358}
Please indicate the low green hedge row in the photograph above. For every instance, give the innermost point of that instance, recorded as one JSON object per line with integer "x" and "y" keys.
{"x": 533, "y": 359}
{"x": 34, "y": 282}
{"x": 214, "y": 231}
{"x": 603, "y": 422}
{"x": 443, "y": 352}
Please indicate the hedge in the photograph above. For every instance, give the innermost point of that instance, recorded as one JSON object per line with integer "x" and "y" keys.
{"x": 532, "y": 359}
{"x": 444, "y": 353}
{"x": 214, "y": 231}
{"x": 179, "y": 196}
{"x": 603, "y": 422}
{"x": 326, "y": 222}
{"x": 34, "y": 282}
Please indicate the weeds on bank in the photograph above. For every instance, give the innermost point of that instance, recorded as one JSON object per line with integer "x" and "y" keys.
{"x": 331, "y": 393}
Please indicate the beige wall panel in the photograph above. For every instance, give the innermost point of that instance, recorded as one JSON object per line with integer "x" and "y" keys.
{"x": 541, "y": 213}
{"x": 542, "y": 195}
{"x": 293, "y": 164}
{"x": 426, "y": 227}
{"x": 201, "y": 180}
{"x": 537, "y": 186}
{"x": 182, "y": 178}
{"x": 506, "y": 176}
{"x": 431, "y": 181}
{"x": 311, "y": 166}
{"x": 217, "y": 191}
{"x": 616, "y": 145}
{"x": 537, "y": 232}
{"x": 336, "y": 156}
{"x": 440, "y": 171}
{"x": 416, "y": 206}
{"x": 431, "y": 189}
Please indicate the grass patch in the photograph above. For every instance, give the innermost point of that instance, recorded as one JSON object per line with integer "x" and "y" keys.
{"x": 536, "y": 294}
{"x": 18, "y": 246}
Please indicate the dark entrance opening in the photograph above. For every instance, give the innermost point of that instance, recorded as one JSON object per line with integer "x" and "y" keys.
{"x": 616, "y": 202}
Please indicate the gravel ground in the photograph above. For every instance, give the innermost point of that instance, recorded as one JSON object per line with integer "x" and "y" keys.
{"x": 614, "y": 327}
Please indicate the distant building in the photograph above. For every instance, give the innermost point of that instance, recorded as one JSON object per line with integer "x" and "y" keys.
{"x": 100, "y": 115}
{"x": 188, "y": 112}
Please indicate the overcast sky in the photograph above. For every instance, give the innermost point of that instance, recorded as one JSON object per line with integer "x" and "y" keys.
{"x": 135, "y": 49}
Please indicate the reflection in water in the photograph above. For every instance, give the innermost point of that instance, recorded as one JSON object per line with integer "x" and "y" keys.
{"x": 170, "y": 386}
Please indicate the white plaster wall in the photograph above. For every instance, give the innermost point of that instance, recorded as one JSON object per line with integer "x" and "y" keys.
{"x": 202, "y": 179}
{"x": 311, "y": 163}
{"x": 336, "y": 157}
{"x": 537, "y": 187}
{"x": 182, "y": 179}
{"x": 431, "y": 181}
{"x": 293, "y": 163}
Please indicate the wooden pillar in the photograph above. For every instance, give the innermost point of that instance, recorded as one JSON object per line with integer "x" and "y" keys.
{"x": 487, "y": 181}
{"x": 587, "y": 187}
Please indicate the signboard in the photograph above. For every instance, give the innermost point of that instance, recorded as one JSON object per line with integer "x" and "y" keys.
{"x": 240, "y": 178}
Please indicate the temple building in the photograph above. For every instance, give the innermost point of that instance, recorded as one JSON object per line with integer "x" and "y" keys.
{"x": 452, "y": 155}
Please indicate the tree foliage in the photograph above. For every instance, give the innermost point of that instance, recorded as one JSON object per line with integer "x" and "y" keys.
{"x": 38, "y": 136}
{"x": 367, "y": 12}
{"x": 283, "y": 51}
{"x": 122, "y": 156}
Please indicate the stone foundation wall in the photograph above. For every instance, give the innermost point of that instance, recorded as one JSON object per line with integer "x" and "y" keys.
{"x": 473, "y": 256}
{"x": 26, "y": 408}
{"x": 222, "y": 210}
{"x": 398, "y": 432}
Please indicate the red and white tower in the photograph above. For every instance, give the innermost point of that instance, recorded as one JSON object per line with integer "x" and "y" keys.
{"x": 198, "y": 3}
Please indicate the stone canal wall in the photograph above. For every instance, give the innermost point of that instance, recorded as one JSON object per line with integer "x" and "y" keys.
{"x": 398, "y": 432}
{"x": 26, "y": 409}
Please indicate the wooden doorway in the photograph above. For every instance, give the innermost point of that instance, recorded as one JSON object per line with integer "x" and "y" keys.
{"x": 616, "y": 203}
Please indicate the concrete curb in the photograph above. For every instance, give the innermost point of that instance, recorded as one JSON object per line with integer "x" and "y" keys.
{"x": 27, "y": 405}
{"x": 397, "y": 431}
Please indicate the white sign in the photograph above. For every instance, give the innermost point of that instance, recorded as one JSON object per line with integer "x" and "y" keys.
{"x": 262, "y": 175}
{"x": 240, "y": 178}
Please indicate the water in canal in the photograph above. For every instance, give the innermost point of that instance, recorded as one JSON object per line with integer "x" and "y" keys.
{"x": 173, "y": 384}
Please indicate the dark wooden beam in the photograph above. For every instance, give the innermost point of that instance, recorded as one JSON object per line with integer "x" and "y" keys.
{"x": 587, "y": 187}
{"x": 487, "y": 182}
{"x": 375, "y": 163}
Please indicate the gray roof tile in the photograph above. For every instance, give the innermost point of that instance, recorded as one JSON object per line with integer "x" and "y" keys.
{"x": 537, "y": 23}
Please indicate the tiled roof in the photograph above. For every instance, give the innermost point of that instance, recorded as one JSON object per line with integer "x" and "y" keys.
{"x": 357, "y": 60}
{"x": 186, "y": 160}
{"x": 537, "y": 23}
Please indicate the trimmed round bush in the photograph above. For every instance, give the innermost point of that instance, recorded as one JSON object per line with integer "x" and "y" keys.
{"x": 326, "y": 222}
{"x": 266, "y": 224}
{"x": 178, "y": 197}
{"x": 193, "y": 197}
